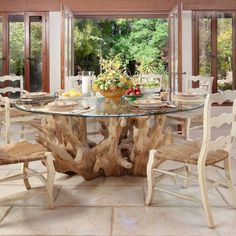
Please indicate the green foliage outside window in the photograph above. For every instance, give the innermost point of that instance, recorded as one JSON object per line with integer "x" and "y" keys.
{"x": 142, "y": 44}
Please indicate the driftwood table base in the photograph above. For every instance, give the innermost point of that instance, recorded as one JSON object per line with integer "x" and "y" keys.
{"x": 123, "y": 149}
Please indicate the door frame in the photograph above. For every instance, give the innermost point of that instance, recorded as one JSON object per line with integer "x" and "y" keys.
{"x": 195, "y": 45}
{"x": 177, "y": 10}
{"x": 45, "y": 46}
{"x": 66, "y": 10}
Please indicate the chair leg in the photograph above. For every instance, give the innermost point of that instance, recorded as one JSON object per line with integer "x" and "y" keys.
{"x": 22, "y": 130}
{"x": 186, "y": 128}
{"x": 150, "y": 176}
{"x": 187, "y": 173}
{"x": 204, "y": 194}
{"x": 228, "y": 175}
{"x": 25, "y": 173}
{"x": 50, "y": 179}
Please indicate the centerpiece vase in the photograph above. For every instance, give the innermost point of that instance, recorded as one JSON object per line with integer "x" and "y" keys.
{"x": 113, "y": 94}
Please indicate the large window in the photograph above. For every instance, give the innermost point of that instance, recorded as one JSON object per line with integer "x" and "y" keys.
{"x": 214, "y": 43}
{"x": 23, "y": 48}
{"x": 142, "y": 44}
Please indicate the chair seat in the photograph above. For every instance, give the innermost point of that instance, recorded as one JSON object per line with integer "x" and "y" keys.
{"x": 13, "y": 113}
{"x": 195, "y": 117}
{"x": 21, "y": 152}
{"x": 188, "y": 152}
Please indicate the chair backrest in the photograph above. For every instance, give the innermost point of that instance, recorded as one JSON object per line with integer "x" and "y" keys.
{"x": 205, "y": 84}
{"x": 11, "y": 84}
{"x": 210, "y": 122}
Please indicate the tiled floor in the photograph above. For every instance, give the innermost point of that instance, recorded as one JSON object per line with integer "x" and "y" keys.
{"x": 113, "y": 206}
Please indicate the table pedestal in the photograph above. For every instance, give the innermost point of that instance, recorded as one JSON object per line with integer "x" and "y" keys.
{"x": 123, "y": 150}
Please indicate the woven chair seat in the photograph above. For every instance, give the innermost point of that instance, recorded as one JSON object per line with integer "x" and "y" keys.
{"x": 195, "y": 117}
{"x": 13, "y": 113}
{"x": 21, "y": 152}
{"x": 188, "y": 152}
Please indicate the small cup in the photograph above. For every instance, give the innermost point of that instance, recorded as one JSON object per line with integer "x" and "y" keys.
{"x": 164, "y": 96}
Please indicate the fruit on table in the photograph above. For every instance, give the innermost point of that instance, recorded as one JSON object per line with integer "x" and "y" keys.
{"x": 72, "y": 93}
{"x": 151, "y": 84}
{"x": 134, "y": 91}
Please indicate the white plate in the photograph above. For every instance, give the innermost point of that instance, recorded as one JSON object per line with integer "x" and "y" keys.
{"x": 149, "y": 103}
{"x": 35, "y": 95}
{"x": 61, "y": 105}
{"x": 74, "y": 98}
{"x": 151, "y": 90}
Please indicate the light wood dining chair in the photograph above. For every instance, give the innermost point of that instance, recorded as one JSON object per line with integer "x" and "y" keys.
{"x": 24, "y": 152}
{"x": 10, "y": 85}
{"x": 191, "y": 120}
{"x": 207, "y": 153}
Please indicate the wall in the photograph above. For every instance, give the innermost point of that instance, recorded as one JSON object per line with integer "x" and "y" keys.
{"x": 114, "y": 5}
{"x": 55, "y": 50}
{"x": 187, "y": 43}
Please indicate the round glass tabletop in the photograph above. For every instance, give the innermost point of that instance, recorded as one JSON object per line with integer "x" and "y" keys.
{"x": 101, "y": 107}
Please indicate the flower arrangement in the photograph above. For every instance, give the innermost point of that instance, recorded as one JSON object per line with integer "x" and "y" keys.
{"x": 113, "y": 78}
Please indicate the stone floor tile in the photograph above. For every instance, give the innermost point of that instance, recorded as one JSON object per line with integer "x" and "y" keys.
{"x": 125, "y": 181}
{"x": 60, "y": 221}
{"x": 4, "y": 173}
{"x": 162, "y": 221}
{"x": 101, "y": 196}
{"x": 60, "y": 179}
{"x": 63, "y": 179}
{"x": 161, "y": 199}
{"x": 3, "y": 212}
{"x": 36, "y": 200}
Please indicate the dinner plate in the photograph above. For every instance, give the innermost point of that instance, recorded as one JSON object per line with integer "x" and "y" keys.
{"x": 149, "y": 103}
{"x": 35, "y": 95}
{"x": 62, "y": 105}
{"x": 190, "y": 95}
{"x": 72, "y": 98}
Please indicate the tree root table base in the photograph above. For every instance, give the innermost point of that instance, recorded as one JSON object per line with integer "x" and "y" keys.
{"x": 123, "y": 149}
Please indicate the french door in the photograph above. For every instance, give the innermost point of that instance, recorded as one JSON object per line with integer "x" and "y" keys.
{"x": 175, "y": 49}
{"x": 67, "y": 45}
{"x": 215, "y": 48}
{"x": 23, "y": 48}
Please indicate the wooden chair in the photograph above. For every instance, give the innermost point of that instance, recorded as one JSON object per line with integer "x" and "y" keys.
{"x": 191, "y": 120}
{"x": 208, "y": 153}
{"x": 10, "y": 86}
{"x": 24, "y": 152}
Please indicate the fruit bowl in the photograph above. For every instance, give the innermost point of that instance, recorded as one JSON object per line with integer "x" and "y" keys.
{"x": 133, "y": 97}
{"x": 112, "y": 94}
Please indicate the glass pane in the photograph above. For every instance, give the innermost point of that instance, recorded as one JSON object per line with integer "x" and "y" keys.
{"x": 141, "y": 43}
{"x": 16, "y": 49}
{"x": 16, "y": 45}
{"x": 224, "y": 51}
{"x": 205, "y": 46}
{"x": 36, "y": 53}
{"x": 1, "y": 49}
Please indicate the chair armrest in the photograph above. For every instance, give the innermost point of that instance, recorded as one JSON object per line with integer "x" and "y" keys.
{"x": 5, "y": 101}
{"x": 25, "y": 91}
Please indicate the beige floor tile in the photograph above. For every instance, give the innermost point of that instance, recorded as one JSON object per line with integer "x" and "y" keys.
{"x": 60, "y": 179}
{"x": 36, "y": 200}
{"x": 60, "y": 221}
{"x": 4, "y": 173}
{"x": 100, "y": 196}
{"x": 63, "y": 179}
{"x": 125, "y": 181}
{"x": 161, "y": 199}
{"x": 3, "y": 212}
{"x": 161, "y": 221}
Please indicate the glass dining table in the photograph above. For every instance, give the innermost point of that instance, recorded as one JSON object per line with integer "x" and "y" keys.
{"x": 127, "y": 131}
